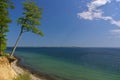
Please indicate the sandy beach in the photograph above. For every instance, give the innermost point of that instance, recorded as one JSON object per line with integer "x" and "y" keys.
{"x": 20, "y": 71}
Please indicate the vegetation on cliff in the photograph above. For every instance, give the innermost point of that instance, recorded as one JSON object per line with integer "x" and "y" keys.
{"x": 29, "y": 22}
{"x": 25, "y": 76}
{"x": 4, "y": 20}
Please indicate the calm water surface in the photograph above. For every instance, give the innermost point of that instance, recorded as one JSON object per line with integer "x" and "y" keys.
{"x": 73, "y": 63}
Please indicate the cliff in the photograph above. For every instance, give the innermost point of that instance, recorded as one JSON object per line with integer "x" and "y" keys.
{"x": 6, "y": 70}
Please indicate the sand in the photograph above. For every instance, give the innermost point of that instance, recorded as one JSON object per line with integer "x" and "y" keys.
{"x": 6, "y": 71}
{"x": 21, "y": 71}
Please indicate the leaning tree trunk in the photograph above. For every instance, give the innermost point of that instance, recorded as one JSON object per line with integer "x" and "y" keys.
{"x": 15, "y": 46}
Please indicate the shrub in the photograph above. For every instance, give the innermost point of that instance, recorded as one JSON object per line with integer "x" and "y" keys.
{"x": 25, "y": 76}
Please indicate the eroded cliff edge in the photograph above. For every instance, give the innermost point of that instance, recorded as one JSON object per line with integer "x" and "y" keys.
{"x": 6, "y": 70}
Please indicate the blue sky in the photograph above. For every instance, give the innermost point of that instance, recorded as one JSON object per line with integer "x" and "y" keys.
{"x": 81, "y": 23}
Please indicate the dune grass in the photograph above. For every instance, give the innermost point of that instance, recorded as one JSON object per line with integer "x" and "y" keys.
{"x": 25, "y": 76}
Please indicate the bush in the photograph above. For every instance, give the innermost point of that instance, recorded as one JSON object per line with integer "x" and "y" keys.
{"x": 25, "y": 76}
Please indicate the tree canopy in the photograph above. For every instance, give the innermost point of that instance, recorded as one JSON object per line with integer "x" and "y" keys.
{"x": 4, "y": 20}
{"x": 30, "y": 21}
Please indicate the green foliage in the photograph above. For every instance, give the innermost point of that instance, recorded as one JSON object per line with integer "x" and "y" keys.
{"x": 31, "y": 18}
{"x": 25, "y": 76}
{"x": 3, "y": 46}
{"x": 5, "y": 54}
{"x": 4, "y": 20}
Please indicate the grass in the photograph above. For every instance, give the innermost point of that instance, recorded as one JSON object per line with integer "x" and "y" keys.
{"x": 5, "y": 54}
{"x": 25, "y": 76}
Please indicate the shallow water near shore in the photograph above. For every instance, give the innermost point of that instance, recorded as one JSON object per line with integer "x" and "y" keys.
{"x": 73, "y": 63}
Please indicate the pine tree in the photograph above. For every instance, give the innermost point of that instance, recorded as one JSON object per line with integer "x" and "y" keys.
{"x": 30, "y": 21}
{"x": 4, "y": 20}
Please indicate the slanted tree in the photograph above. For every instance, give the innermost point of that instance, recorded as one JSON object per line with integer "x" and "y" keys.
{"x": 30, "y": 21}
{"x": 4, "y": 20}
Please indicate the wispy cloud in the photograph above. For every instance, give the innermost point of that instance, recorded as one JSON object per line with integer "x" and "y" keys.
{"x": 115, "y": 31}
{"x": 94, "y": 13}
{"x": 118, "y": 0}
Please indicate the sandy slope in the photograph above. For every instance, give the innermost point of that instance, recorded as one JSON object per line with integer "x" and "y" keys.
{"x": 19, "y": 70}
{"x": 6, "y": 71}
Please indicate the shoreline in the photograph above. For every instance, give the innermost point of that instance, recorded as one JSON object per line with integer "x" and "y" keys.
{"x": 21, "y": 71}
{"x": 35, "y": 75}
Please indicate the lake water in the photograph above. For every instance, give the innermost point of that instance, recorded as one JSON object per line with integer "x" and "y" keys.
{"x": 73, "y": 63}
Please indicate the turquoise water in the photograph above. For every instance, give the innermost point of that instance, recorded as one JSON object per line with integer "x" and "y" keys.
{"x": 73, "y": 63}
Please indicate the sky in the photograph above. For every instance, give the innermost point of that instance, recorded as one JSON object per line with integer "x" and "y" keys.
{"x": 67, "y": 23}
